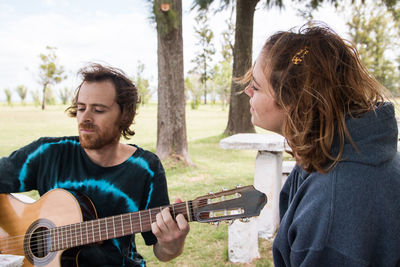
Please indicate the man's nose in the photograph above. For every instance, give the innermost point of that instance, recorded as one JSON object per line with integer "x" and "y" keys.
{"x": 86, "y": 116}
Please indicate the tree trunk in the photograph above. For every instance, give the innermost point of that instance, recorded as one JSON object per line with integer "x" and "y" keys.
{"x": 239, "y": 120}
{"x": 171, "y": 120}
{"x": 44, "y": 97}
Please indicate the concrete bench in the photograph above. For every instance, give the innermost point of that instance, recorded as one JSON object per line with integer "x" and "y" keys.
{"x": 268, "y": 175}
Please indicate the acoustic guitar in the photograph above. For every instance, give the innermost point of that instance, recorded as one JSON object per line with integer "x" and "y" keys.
{"x": 51, "y": 231}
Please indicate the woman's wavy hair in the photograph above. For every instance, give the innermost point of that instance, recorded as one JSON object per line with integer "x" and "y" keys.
{"x": 318, "y": 80}
{"x": 126, "y": 93}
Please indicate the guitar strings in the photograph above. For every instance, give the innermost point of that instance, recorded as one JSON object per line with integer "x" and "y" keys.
{"x": 72, "y": 234}
{"x": 43, "y": 236}
{"x": 97, "y": 228}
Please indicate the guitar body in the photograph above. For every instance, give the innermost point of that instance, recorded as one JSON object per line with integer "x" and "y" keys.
{"x": 21, "y": 224}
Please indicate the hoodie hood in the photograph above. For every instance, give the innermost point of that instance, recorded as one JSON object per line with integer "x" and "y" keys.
{"x": 375, "y": 135}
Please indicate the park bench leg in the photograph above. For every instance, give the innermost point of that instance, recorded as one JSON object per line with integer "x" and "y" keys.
{"x": 268, "y": 179}
{"x": 243, "y": 241}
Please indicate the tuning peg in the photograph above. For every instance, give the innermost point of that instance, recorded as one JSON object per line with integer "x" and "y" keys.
{"x": 224, "y": 189}
{"x": 239, "y": 186}
{"x": 214, "y": 223}
{"x": 229, "y": 222}
{"x": 211, "y": 193}
{"x": 245, "y": 220}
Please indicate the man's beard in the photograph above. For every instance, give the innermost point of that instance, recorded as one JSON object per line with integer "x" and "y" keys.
{"x": 98, "y": 139}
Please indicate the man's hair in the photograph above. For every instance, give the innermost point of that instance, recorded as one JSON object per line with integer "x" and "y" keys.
{"x": 126, "y": 93}
{"x": 318, "y": 80}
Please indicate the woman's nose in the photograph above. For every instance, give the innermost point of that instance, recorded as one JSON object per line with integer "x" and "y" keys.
{"x": 249, "y": 91}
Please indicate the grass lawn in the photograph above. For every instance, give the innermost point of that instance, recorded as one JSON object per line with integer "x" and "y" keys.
{"x": 214, "y": 169}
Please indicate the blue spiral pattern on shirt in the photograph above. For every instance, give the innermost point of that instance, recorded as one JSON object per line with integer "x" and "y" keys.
{"x": 40, "y": 150}
{"x": 102, "y": 186}
{"x": 145, "y": 165}
{"x": 142, "y": 163}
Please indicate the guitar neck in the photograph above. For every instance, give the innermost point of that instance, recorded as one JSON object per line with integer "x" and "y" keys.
{"x": 94, "y": 231}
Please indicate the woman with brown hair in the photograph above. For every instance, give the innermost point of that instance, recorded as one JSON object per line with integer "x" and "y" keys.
{"x": 340, "y": 204}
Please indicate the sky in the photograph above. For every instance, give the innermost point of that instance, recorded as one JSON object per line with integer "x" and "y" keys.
{"x": 119, "y": 33}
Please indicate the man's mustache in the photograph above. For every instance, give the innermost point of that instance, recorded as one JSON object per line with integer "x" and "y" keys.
{"x": 87, "y": 126}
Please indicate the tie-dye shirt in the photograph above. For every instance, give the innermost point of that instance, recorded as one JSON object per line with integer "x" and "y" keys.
{"x": 60, "y": 162}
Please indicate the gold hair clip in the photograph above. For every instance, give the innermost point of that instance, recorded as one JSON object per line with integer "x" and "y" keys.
{"x": 298, "y": 58}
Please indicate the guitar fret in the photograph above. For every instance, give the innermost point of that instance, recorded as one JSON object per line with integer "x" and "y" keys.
{"x": 187, "y": 211}
{"x": 140, "y": 220}
{"x": 106, "y": 229}
{"x": 150, "y": 216}
{"x": 80, "y": 230}
{"x": 173, "y": 211}
{"x": 130, "y": 222}
{"x": 100, "y": 229}
{"x": 114, "y": 226}
{"x": 51, "y": 239}
{"x": 92, "y": 232}
{"x": 122, "y": 226}
{"x": 62, "y": 238}
{"x": 70, "y": 232}
{"x": 56, "y": 239}
{"x": 76, "y": 235}
{"x": 87, "y": 233}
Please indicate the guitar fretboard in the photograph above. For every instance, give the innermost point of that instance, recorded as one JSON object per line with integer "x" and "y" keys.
{"x": 94, "y": 231}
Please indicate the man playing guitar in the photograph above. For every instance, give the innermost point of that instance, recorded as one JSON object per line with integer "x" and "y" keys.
{"x": 118, "y": 178}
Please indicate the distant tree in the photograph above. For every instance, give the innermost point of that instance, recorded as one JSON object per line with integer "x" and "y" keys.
{"x": 142, "y": 84}
{"x": 8, "y": 93}
{"x": 206, "y": 50}
{"x": 22, "y": 91}
{"x": 372, "y": 29}
{"x": 50, "y": 97}
{"x": 65, "y": 95}
{"x": 222, "y": 74}
{"x": 36, "y": 97}
{"x": 194, "y": 90}
{"x": 228, "y": 38}
{"x": 50, "y": 72}
{"x": 222, "y": 81}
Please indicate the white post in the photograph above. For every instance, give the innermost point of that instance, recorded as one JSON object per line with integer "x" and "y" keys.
{"x": 268, "y": 179}
{"x": 243, "y": 237}
{"x": 243, "y": 241}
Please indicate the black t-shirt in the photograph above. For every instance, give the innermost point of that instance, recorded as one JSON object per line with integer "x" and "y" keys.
{"x": 138, "y": 183}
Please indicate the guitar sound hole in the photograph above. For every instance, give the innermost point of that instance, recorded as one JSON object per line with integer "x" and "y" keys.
{"x": 40, "y": 242}
{"x": 37, "y": 243}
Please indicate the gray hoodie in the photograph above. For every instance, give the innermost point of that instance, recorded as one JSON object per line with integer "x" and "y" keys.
{"x": 349, "y": 216}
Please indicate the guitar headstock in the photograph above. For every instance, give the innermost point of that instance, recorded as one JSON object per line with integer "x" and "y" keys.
{"x": 241, "y": 202}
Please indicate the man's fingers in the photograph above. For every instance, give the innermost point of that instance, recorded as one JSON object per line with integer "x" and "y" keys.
{"x": 182, "y": 223}
{"x": 178, "y": 200}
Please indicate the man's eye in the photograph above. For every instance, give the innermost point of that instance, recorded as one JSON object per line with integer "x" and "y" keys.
{"x": 80, "y": 109}
{"x": 98, "y": 110}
